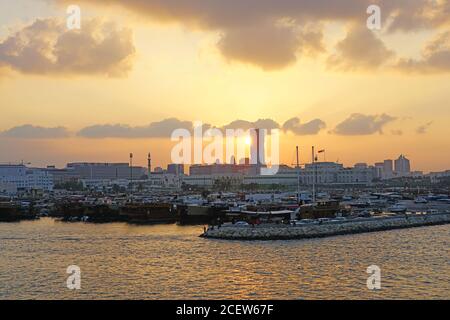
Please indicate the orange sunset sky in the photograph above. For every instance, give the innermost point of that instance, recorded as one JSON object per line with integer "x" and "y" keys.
{"x": 138, "y": 69}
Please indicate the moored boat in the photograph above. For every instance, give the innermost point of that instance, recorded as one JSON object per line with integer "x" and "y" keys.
{"x": 320, "y": 209}
{"x": 148, "y": 213}
{"x": 11, "y": 212}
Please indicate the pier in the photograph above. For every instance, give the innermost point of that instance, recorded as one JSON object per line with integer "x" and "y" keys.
{"x": 325, "y": 229}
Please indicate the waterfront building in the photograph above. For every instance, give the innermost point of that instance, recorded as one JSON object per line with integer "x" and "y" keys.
{"x": 357, "y": 175}
{"x": 61, "y": 176}
{"x": 320, "y": 173}
{"x": 8, "y": 188}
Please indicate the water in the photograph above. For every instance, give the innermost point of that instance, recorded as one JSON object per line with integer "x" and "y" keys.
{"x": 120, "y": 261}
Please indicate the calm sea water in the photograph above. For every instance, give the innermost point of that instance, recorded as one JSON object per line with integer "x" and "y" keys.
{"x": 121, "y": 261}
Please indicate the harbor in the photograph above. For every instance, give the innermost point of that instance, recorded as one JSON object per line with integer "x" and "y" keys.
{"x": 238, "y": 215}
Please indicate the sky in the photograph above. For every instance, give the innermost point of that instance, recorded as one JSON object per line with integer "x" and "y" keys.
{"x": 137, "y": 70}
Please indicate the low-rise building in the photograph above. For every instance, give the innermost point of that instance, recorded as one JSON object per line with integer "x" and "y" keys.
{"x": 107, "y": 171}
{"x": 321, "y": 173}
{"x": 436, "y": 176}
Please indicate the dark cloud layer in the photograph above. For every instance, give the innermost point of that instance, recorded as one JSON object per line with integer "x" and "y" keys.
{"x": 263, "y": 45}
{"x": 161, "y": 129}
{"x": 356, "y": 124}
{"x": 246, "y": 125}
{"x": 218, "y": 14}
{"x": 271, "y": 33}
{"x": 164, "y": 128}
{"x": 29, "y": 131}
{"x": 48, "y": 47}
{"x": 360, "y": 124}
{"x": 158, "y": 129}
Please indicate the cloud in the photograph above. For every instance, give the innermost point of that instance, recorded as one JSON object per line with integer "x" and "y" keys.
{"x": 164, "y": 128}
{"x": 246, "y": 125}
{"x": 360, "y": 49}
{"x": 424, "y": 128}
{"x": 48, "y": 47}
{"x": 313, "y": 127}
{"x": 160, "y": 129}
{"x": 435, "y": 57}
{"x": 29, "y": 131}
{"x": 360, "y": 124}
{"x": 356, "y": 124}
{"x": 266, "y": 33}
{"x": 266, "y": 46}
{"x": 271, "y": 34}
{"x": 220, "y": 15}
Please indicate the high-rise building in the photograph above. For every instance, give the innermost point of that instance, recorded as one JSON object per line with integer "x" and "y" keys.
{"x": 388, "y": 168}
{"x": 402, "y": 165}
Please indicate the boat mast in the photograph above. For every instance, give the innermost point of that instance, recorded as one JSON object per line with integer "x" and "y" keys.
{"x": 149, "y": 164}
{"x": 314, "y": 176}
{"x": 131, "y": 176}
{"x": 298, "y": 177}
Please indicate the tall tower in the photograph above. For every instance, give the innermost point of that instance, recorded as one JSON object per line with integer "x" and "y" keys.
{"x": 149, "y": 164}
{"x": 257, "y": 147}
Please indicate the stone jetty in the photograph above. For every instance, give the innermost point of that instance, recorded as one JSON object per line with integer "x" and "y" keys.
{"x": 325, "y": 229}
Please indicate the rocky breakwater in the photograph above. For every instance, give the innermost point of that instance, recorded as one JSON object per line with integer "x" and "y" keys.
{"x": 324, "y": 229}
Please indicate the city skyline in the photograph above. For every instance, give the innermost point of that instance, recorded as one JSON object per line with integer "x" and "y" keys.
{"x": 151, "y": 68}
{"x": 397, "y": 165}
